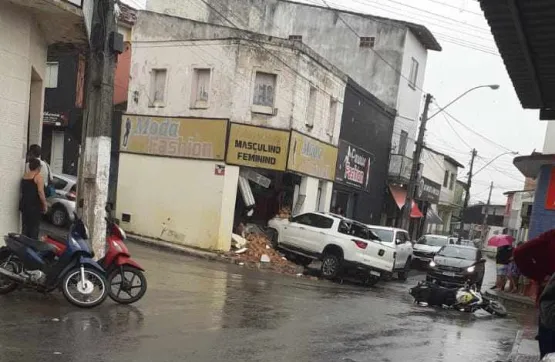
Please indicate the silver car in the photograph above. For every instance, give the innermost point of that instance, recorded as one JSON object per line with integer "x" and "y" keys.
{"x": 61, "y": 206}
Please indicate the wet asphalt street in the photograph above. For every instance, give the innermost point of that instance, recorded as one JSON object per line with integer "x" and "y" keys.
{"x": 206, "y": 311}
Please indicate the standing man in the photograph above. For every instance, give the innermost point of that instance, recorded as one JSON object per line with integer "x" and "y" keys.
{"x": 503, "y": 259}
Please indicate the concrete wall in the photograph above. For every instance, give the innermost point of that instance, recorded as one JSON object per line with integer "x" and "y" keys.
{"x": 447, "y": 195}
{"x": 542, "y": 219}
{"x": 22, "y": 49}
{"x": 433, "y": 166}
{"x": 193, "y": 206}
{"x": 549, "y": 144}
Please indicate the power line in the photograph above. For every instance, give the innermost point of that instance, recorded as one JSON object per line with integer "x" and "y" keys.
{"x": 458, "y": 8}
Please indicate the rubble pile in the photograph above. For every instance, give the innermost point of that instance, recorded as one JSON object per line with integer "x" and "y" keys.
{"x": 284, "y": 213}
{"x": 259, "y": 252}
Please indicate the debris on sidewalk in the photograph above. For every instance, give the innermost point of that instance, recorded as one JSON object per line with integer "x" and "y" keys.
{"x": 258, "y": 252}
{"x": 238, "y": 241}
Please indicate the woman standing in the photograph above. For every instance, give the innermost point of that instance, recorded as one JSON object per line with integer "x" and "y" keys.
{"x": 33, "y": 201}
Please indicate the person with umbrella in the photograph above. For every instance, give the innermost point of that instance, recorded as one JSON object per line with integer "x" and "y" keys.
{"x": 536, "y": 260}
{"x": 504, "y": 244}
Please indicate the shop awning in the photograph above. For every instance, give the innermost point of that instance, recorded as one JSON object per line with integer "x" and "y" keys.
{"x": 399, "y": 195}
{"x": 432, "y": 217}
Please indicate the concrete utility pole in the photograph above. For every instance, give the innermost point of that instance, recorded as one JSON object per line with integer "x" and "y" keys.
{"x": 486, "y": 209}
{"x": 467, "y": 194}
{"x": 415, "y": 164}
{"x": 94, "y": 165}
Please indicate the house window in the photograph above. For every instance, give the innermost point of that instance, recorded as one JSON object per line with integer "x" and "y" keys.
{"x": 452, "y": 182}
{"x": 311, "y": 110}
{"x": 367, "y": 41}
{"x": 403, "y": 142}
{"x": 51, "y": 76}
{"x": 332, "y": 116}
{"x": 413, "y": 76}
{"x": 264, "y": 91}
{"x": 296, "y": 37}
{"x": 201, "y": 88}
{"x": 446, "y": 179}
{"x": 157, "y": 87}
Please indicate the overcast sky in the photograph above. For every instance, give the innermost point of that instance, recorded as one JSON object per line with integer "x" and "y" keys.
{"x": 493, "y": 122}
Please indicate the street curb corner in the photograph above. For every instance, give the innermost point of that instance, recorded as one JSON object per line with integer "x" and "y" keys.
{"x": 510, "y": 299}
{"x": 516, "y": 344}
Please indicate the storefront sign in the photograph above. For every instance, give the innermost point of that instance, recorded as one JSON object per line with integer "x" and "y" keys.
{"x": 257, "y": 147}
{"x": 353, "y": 165}
{"x": 312, "y": 157}
{"x": 428, "y": 190}
{"x": 550, "y": 196}
{"x": 54, "y": 119}
{"x": 174, "y": 137}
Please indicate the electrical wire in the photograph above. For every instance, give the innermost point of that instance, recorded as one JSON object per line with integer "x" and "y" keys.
{"x": 458, "y": 8}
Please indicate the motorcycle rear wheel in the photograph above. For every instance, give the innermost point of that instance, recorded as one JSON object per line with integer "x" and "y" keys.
{"x": 7, "y": 285}
{"x": 496, "y": 308}
{"x": 122, "y": 286}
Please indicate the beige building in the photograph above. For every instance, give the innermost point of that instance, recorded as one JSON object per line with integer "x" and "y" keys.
{"x": 26, "y": 30}
{"x": 220, "y": 121}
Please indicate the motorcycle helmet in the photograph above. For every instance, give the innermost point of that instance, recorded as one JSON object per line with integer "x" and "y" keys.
{"x": 463, "y": 297}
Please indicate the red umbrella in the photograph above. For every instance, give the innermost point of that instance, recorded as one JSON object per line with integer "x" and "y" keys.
{"x": 501, "y": 240}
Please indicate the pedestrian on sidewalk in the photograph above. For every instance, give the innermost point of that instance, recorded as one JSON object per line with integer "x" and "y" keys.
{"x": 32, "y": 202}
{"x": 35, "y": 152}
{"x": 502, "y": 261}
{"x": 536, "y": 260}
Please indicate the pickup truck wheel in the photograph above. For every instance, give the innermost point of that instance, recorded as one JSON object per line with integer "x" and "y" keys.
{"x": 331, "y": 266}
{"x": 404, "y": 274}
{"x": 371, "y": 280}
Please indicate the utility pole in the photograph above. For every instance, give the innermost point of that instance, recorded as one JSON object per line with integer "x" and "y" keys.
{"x": 415, "y": 165}
{"x": 485, "y": 224}
{"x": 94, "y": 165}
{"x": 467, "y": 194}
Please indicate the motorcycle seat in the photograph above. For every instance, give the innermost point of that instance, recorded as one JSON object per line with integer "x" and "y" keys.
{"x": 36, "y": 245}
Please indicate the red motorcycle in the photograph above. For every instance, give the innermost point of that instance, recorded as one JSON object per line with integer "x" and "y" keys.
{"x": 127, "y": 283}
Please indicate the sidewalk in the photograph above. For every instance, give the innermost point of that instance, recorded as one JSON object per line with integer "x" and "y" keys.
{"x": 510, "y": 298}
{"x": 525, "y": 347}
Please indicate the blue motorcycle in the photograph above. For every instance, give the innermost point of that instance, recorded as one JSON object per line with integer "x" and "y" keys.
{"x": 33, "y": 263}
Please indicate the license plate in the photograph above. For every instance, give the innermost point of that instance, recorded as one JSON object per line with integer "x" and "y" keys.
{"x": 375, "y": 273}
{"x": 449, "y": 274}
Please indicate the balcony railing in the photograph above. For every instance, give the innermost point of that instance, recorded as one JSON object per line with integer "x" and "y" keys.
{"x": 400, "y": 167}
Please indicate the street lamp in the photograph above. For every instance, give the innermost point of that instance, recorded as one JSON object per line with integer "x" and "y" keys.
{"x": 418, "y": 151}
{"x": 491, "y": 86}
{"x": 495, "y": 158}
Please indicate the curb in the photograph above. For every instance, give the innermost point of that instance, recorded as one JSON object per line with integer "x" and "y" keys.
{"x": 516, "y": 345}
{"x": 181, "y": 249}
{"x": 509, "y": 298}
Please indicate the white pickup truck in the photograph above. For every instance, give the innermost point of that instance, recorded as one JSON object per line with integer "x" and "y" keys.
{"x": 398, "y": 239}
{"x": 344, "y": 246}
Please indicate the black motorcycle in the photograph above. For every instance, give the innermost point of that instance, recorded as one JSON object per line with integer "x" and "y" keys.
{"x": 467, "y": 298}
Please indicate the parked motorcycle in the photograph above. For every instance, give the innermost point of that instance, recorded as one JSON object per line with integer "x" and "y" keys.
{"x": 33, "y": 263}
{"x": 127, "y": 283}
{"x": 467, "y": 298}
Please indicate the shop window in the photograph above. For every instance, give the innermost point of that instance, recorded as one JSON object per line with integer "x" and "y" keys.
{"x": 157, "y": 87}
{"x": 332, "y": 116}
{"x": 264, "y": 92}
{"x": 296, "y": 37}
{"x": 51, "y": 76}
{"x": 311, "y": 108}
{"x": 446, "y": 179}
{"x": 201, "y": 88}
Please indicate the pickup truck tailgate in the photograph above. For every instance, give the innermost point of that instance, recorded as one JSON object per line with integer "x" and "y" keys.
{"x": 379, "y": 256}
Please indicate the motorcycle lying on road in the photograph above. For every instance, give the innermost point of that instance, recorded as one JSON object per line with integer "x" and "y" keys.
{"x": 33, "y": 263}
{"x": 467, "y": 298}
{"x": 126, "y": 281}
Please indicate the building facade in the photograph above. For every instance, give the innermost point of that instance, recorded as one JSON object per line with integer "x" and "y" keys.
{"x": 517, "y": 213}
{"x": 363, "y": 155}
{"x": 386, "y": 57}
{"x": 26, "y": 30}
{"x": 222, "y": 127}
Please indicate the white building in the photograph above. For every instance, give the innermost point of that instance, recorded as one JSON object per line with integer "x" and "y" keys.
{"x": 211, "y": 107}
{"x": 443, "y": 170}
{"x": 387, "y": 57}
{"x": 26, "y": 30}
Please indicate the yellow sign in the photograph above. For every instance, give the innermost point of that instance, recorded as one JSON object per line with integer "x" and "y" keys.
{"x": 312, "y": 157}
{"x": 174, "y": 137}
{"x": 257, "y": 147}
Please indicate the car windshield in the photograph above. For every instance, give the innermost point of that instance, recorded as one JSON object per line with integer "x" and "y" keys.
{"x": 458, "y": 253}
{"x": 432, "y": 240}
{"x": 384, "y": 235}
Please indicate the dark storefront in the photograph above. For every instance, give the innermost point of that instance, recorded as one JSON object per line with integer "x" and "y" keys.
{"x": 63, "y": 109}
{"x": 363, "y": 157}
{"x": 427, "y": 194}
